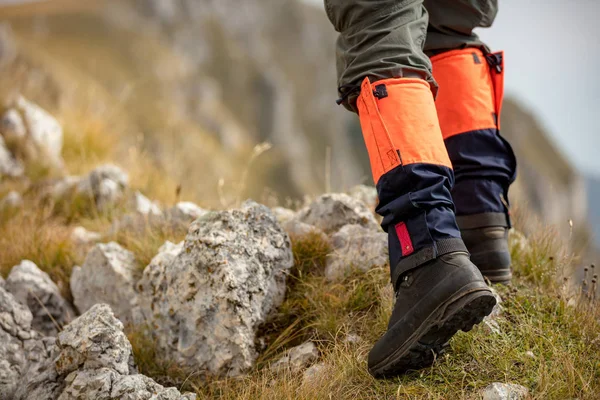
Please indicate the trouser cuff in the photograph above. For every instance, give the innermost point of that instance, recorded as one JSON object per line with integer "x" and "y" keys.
{"x": 484, "y": 220}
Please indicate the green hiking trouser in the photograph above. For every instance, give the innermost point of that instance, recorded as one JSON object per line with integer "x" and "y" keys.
{"x": 383, "y": 39}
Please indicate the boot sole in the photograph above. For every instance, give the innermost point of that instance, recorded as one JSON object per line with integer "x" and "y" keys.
{"x": 431, "y": 339}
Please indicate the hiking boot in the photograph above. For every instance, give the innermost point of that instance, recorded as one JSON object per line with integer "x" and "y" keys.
{"x": 433, "y": 302}
{"x": 486, "y": 238}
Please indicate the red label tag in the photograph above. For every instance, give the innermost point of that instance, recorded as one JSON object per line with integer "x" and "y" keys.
{"x": 404, "y": 238}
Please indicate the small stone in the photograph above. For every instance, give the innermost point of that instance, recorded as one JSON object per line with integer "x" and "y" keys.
{"x": 108, "y": 275}
{"x": 356, "y": 247}
{"x": 105, "y": 185}
{"x": 144, "y": 206}
{"x": 12, "y": 126}
{"x": 9, "y": 166}
{"x": 505, "y": 391}
{"x": 330, "y": 212}
{"x": 33, "y": 288}
{"x": 530, "y": 354}
{"x": 314, "y": 374}
{"x": 185, "y": 212}
{"x": 282, "y": 214}
{"x": 296, "y": 358}
{"x": 297, "y": 230}
{"x": 366, "y": 195}
{"x": 82, "y": 236}
{"x": 352, "y": 338}
{"x": 43, "y": 130}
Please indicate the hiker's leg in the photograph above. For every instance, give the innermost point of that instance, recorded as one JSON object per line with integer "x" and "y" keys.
{"x": 469, "y": 103}
{"x": 384, "y": 75}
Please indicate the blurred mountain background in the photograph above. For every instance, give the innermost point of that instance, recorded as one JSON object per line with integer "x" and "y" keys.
{"x": 187, "y": 90}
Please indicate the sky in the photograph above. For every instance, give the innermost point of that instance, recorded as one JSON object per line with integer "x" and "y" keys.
{"x": 552, "y": 51}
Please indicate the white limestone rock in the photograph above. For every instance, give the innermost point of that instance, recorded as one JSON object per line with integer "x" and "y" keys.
{"x": 21, "y": 348}
{"x": 505, "y": 391}
{"x": 9, "y": 166}
{"x": 208, "y": 302}
{"x": 366, "y": 195}
{"x": 185, "y": 212}
{"x": 82, "y": 236}
{"x": 93, "y": 359}
{"x": 108, "y": 275}
{"x": 145, "y": 206}
{"x": 330, "y": 212}
{"x": 33, "y": 288}
{"x": 356, "y": 248}
{"x": 105, "y": 185}
{"x": 283, "y": 215}
{"x": 296, "y": 358}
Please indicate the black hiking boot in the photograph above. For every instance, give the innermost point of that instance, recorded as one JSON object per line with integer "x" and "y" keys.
{"x": 433, "y": 302}
{"x": 486, "y": 238}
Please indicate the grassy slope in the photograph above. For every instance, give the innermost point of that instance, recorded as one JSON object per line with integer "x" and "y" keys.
{"x": 545, "y": 343}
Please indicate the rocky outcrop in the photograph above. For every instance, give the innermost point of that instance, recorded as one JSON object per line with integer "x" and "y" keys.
{"x": 108, "y": 275}
{"x": 33, "y": 288}
{"x": 207, "y": 303}
{"x": 330, "y": 212}
{"x": 365, "y": 194}
{"x": 356, "y": 248}
{"x": 21, "y": 348}
{"x": 93, "y": 359}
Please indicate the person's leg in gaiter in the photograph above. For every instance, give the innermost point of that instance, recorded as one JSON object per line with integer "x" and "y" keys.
{"x": 468, "y": 104}
{"x": 385, "y": 77}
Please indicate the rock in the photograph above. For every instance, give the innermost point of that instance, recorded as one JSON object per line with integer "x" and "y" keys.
{"x": 530, "y": 354}
{"x": 42, "y": 129}
{"x": 504, "y": 391}
{"x": 366, "y": 195}
{"x": 314, "y": 374}
{"x": 12, "y": 126}
{"x": 64, "y": 187}
{"x": 215, "y": 293}
{"x": 93, "y": 359}
{"x": 283, "y": 215}
{"x": 297, "y": 230}
{"x": 185, "y": 212}
{"x": 2, "y": 282}
{"x": 21, "y": 349}
{"x": 105, "y": 185}
{"x": 491, "y": 321}
{"x": 33, "y": 288}
{"x": 296, "y": 358}
{"x": 11, "y": 201}
{"x": 9, "y": 166}
{"x": 144, "y": 206}
{"x": 82, "y": 236}
{"x": 153, "y": 279}
{"x": 352, "y": 338}
{"x": 330, "y": 212}
{"x": 356, "y": 247}
{"x": 108, "y": 275}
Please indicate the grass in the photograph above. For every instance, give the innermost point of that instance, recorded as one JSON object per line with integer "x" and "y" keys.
{"x": 545, "y": 343}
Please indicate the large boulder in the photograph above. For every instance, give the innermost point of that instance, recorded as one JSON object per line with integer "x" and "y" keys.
{"x": 108, "y": 275}
{"x": 330, "y": 212}
{"x": 356, "y": 248}
{"x": 206, "y": 305}
{"x": 21, "y": 349}
{"x": 93, "y": 359}
{"x": 33, "y": 288}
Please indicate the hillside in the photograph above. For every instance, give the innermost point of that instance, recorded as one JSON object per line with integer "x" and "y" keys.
{"x": 133, "y": 267}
